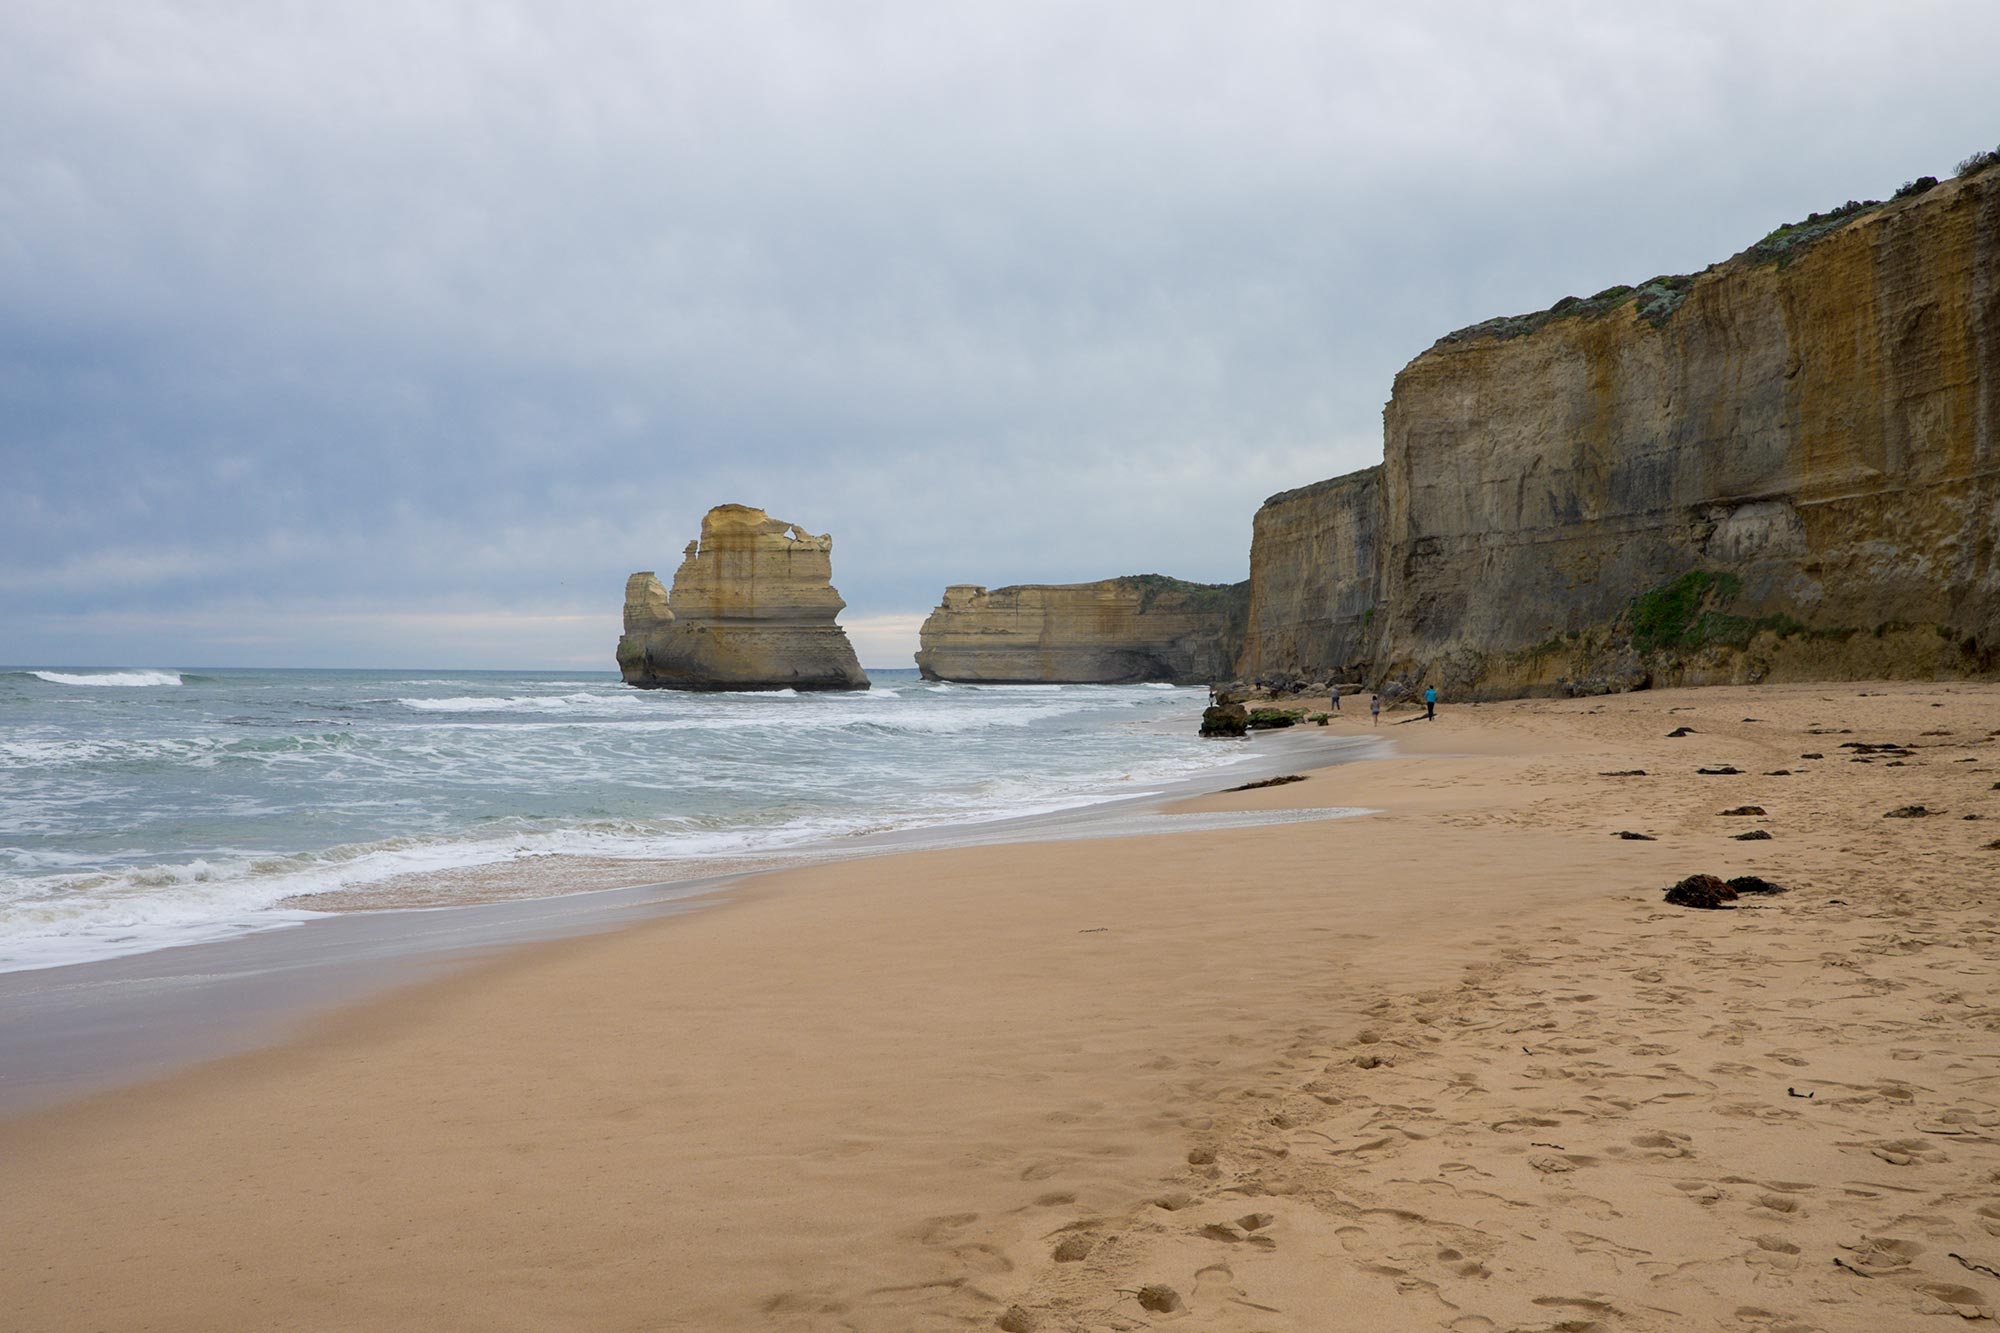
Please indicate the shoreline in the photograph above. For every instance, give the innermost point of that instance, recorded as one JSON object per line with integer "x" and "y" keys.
{"x": 1451, "y": 1065}
{"x": 76, "y": 1029}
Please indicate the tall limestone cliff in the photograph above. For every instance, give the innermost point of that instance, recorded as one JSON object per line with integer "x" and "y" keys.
{"x": 1312, "y": 584}
{"x": 752, "y": 608}
{"x": 1781, "y": 468}
{"x": 1144, "y": 627}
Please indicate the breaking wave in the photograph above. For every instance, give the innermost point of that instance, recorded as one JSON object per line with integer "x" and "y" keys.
{"x": 126, "y": 679}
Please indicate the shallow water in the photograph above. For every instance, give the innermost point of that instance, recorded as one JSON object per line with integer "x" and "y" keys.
{"x": 143, "y": 808}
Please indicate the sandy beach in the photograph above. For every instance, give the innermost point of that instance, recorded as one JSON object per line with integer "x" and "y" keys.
{"x": 1449, "y": 1065}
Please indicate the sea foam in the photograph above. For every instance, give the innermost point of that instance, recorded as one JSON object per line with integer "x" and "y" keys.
{"x": 126, "y": 679}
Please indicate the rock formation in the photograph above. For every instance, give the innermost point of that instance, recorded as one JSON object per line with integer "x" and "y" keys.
{"x": 1783, "y": 467}
{"x": 752, "y": 608}
{"x": 1144, "y": 627}
{"x": 1312, "y": 586}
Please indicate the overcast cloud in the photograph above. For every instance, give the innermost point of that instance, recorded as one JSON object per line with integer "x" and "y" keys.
{"x": 398, "y": 334}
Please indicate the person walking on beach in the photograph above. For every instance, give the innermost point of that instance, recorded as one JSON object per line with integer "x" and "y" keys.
{"x": 1336, "y": 698}
{"x": 1374, "y": 710}
{"x": 1431, "y": 703}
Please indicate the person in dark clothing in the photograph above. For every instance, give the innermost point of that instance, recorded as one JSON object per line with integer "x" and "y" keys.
{"x": 1336, "y": 698}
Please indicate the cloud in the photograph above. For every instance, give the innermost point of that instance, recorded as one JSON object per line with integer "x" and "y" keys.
{"x": 480, "y": 306}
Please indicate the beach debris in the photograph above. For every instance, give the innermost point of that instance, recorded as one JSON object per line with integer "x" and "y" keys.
{"x": 1977, "y": 1268}
{"x": 1779, "y": 773}
{"x": 1640, "y": 773}
{"x": 1993, "y": 846}
{"x": 1159, "y": 1298}
{"x": 1719, "y": 771}
{"x": 1702, "y": 891}
{"x": 1754, "y": 884}
{"x": 1630, "y": 836}
{"x": 1231, "y": 719}
{"x": 1017, "y": 1319}
{"x": 1744, "y": 810}
{"x": 1072, "y": 1248}
{"x": 1813, "y": 755}
{"x": 1909, "y": 812}
{"x": 1269, "y": 782}
{"x": 1794, "y": 1092}
{"x": 1754, "y": 835}
{"x": 1886, "y": 747}
{"x": 1680, "y": 731}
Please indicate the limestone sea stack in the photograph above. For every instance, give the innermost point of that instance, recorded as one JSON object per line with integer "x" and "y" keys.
{"x": 753, "y": 607}
{"x": 1144, "y": 627}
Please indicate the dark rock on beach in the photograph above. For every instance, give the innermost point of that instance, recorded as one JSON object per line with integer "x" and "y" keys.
{"x": 1702, "y": 891}
{"x": 1225, "y": 720}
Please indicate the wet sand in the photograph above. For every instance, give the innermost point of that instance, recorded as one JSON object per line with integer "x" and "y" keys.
{"x": 1451, "y": 1065}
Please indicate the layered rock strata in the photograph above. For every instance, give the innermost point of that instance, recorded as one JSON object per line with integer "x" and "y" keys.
{"x": 753, "y": 607}
{"x": 1312, "y": 585}
{"x": 1781, "y": 468}
{"x": 1143, "y": 627}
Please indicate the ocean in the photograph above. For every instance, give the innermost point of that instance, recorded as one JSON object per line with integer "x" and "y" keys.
{"x": 142, "y": 809}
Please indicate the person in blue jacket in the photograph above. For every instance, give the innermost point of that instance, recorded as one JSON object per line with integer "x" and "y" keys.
{"x": 1430, "y": 703}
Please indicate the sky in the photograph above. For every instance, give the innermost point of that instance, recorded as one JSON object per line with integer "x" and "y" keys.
{"x": 398, "y": 334}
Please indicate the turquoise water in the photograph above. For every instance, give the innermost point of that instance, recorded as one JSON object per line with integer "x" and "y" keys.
{"x": 145, "y": 808}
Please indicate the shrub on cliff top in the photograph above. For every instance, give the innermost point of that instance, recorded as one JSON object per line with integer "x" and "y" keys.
{"x": 1978, "y": 162}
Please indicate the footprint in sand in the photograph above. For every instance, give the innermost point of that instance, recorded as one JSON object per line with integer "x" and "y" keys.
{"x": 1457, "y": 1262}
{"x": 1072, "y": 1248}
{"x": 1664, "y": 1144}
{"x": 1774, "y": 1252}
{"x": 938, "y": 1230}
{"x": 1951, "y": 1298}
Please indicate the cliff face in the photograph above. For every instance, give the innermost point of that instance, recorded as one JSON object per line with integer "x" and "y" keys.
{"x": 1312, "y": 579}
{"x": 1783, "y": 467}
{"x": 1117, "y": 631}
{"x": 752, "y": 608}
